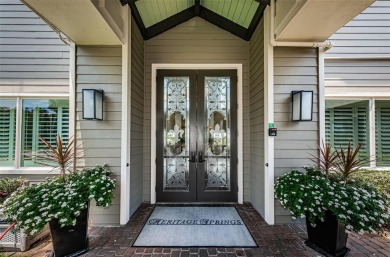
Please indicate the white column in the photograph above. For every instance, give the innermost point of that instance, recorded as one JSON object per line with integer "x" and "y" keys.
{"x": 321, "y": 94}
{"x": 72, "y": 89}
{"x": 269, "y": 145}
{"x": 126, "y": 119}
{"x": 72, "y": 94}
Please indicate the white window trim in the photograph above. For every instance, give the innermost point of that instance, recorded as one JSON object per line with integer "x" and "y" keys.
{"x": 240, "y": 165}
{"x": 371, "y": 98}
{"x": 16, "y": 169}
{"x": 28, "y": 171}
{"x": 371, "y": 133}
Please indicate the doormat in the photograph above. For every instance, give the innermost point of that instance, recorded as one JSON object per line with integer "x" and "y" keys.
{"x": 195, "y": 227}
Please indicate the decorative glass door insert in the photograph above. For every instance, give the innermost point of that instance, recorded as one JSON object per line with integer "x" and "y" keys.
{"x": 217, "y": 138}
{"x": 197, "y": 139}
{"x": 176, "y": 106}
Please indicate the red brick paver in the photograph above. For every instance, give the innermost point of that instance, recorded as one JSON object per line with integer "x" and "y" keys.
{"x": 278, "y": 240}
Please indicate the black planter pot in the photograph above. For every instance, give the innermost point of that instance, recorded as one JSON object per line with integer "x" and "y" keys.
{"x": 329, "y": 237}
{"x": 70, "y": 241}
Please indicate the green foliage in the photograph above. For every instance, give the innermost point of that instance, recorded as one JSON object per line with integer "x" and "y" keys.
{"x": 9, "y": 185}
{"x": 32, "y": 207}
{"x": 359, "y": 206}
{"x": 378, "y": 179}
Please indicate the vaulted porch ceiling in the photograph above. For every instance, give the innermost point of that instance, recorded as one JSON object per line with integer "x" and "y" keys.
{"x": 238, "y": 17}
{"x": 102, "y": 22}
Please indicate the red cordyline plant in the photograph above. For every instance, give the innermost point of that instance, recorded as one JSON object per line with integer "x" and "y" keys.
{"x": 326, "y": 159}
{"x": 343, "y": 161}
{"x": 348, "y": 161}
{"x": 62, "y": 154}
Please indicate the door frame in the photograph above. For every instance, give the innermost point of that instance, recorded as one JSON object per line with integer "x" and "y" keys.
{"x": 178, "y": 66}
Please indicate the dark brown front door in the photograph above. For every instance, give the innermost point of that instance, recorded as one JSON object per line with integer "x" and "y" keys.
{"x": 196, "y": 136}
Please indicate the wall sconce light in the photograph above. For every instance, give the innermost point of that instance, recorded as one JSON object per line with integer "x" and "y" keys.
{"x": 302, "y": 105}
{"x": 93, "y": 104}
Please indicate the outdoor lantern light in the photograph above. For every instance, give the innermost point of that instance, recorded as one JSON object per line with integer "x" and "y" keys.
{"x": 302, "y": 105}
{"x": 93, "y": 104}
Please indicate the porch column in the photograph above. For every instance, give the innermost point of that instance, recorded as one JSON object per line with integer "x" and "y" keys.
{"x": 126, "y": 116}
{"x": 269, "y": 171}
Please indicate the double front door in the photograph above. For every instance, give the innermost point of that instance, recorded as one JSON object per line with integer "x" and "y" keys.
{"x": 196, "y": 136}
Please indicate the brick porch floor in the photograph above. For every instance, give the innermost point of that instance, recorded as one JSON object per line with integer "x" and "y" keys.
{"x": 278, "y": 240}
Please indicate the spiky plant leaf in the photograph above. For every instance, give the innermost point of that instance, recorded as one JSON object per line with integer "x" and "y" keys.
{"x": 61, "y": 155}
{"x": 348, "y": 161}
{"x": 326, "y": 159}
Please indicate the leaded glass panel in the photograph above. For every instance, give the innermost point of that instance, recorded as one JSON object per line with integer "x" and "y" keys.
{"x": 176, "y": 133}
{"x": 217, "y": 135}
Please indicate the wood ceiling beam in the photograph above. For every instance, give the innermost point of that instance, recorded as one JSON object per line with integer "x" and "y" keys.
{"x": 223, "y": 23}
{"x": 136, "y": 15}
{"x": 256, "y": 19}
{"x": 193, "y": 11}
{"x": 170, "y": 22}
{"x": 266, "y": 2}
{"x": 197, "y": 7}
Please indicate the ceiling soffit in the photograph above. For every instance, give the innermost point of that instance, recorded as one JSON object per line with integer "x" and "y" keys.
{"x": 239, "y": 17}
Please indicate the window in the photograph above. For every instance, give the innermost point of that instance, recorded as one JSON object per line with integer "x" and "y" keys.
{"x": 7, "y": 131}
{"x": 382, "y": 132}
{"x": 45, "y": 117}
{"x": 349, "y": 120}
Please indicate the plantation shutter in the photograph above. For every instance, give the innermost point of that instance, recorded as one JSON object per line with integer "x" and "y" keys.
{"x": 7, "y": 132}
{"x": 46, "y": 121}
{"x": 382, "y": 133}
{"x": 348, "y": 123}
{"x": 52, "y": 123}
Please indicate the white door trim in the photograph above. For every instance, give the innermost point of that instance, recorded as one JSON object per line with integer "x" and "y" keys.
{"x": 240, "y": 166}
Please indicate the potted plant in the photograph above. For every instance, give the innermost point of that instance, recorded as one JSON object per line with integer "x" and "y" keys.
{"x": 331, "y": 202}
{"x": 61, "y": 201}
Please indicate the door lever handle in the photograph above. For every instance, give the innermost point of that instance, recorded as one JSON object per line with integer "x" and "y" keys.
{"x": 193, "y": 157}
{"x": 201, "y": 157}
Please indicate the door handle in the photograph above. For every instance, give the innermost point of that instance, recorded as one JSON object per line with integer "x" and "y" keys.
{"x": 201, "y": 157}
{"x": 193, "y": 157}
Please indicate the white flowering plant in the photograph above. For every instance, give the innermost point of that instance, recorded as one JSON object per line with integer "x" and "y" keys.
{"x": 359, "y": 208}
{"x": 33, "y": 206}
{"x": 329, "y": 188}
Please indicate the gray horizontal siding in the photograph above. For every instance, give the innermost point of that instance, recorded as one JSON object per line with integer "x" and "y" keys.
{"x": 32, "y": 57}
{"x": 137, "y": 118}
{"x": 357, "y": 76}
{"x": 256, "y": 118}
{"x": 364, "y": 43}
{"x": 101, "y": 140}
{"x": 294, "y": 69}
{"x": 368, "y": 34}
{"x": 196, "y": 41}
